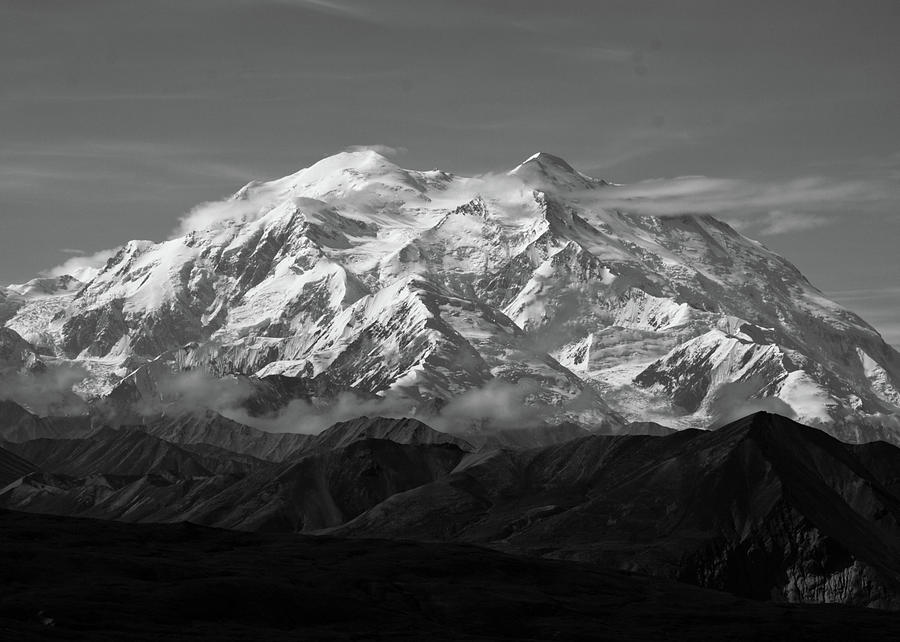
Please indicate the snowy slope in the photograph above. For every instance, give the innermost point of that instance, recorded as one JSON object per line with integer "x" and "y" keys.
{"x": 36, "y": 303}
{"x": 426, "y": 285}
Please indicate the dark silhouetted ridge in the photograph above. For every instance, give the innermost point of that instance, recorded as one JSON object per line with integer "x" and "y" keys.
{"x": 401, "y": 431}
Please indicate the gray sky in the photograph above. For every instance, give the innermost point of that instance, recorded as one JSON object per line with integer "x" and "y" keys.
{"x": 117, "y": 116}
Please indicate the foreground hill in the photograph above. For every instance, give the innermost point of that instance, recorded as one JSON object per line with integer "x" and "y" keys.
{"x": 126, "y": 453}
{"x": 78, "y": 579}
{"x": 12, "y": 467}
{"x": 133, "y": 477}
{"x": 762, "y": 507}
{"x": 18, "y": 424}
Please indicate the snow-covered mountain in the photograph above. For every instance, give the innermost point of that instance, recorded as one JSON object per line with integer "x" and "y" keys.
{"x": 424, "y": 287}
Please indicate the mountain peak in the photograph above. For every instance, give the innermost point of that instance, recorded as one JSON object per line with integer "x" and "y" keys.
{"x": 47, "y": 286}
{"x": 401, "y": 431}
{"x": 366, "y": 161}
{"x": 547, "y": 171}
{"x": 545, "y": 160}
{"x": 354, "y": 171}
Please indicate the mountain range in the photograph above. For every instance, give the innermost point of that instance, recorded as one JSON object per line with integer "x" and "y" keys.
{"x": 511, "y": 296}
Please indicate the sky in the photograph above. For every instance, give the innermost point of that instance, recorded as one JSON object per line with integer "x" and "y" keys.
{"x": 118, "y": 116}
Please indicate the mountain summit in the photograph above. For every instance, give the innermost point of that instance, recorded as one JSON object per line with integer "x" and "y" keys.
{"x": 504, "y": 298}
{"x": 547, "y": 170}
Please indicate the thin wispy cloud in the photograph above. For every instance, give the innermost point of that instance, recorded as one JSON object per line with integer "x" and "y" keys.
{"x": 639, "y": 142}
{"x": 594, "y": 53}
{"x": 384, "y": 150}
{"x": 780, "y": 222}
{"x": 865, "y": 294}
{"x": 349, "y": 71}
{"x": 887, "y": 165}
{"x": 98, "y": 148}
{"x": 89, "y": 96}
{"x": 878, "y": 306}
{"x": 771, "y": 207}
{"x": 340, "y": 8}
{"x": 438, "y": 15}
{"x": 29, "y": 177}
{"x": 29, "y": 167}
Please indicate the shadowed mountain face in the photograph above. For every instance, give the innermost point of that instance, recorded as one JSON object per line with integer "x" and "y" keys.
{"x": 525, "y": 437}
{"x": 18, "y": 424}
{"x": 17, "y": 355}
{"x": 401, "y": 431}
{"x": 763, "y": 507}
{"x": 882, "y": 460}
{"x": 180, "y": 581}
{"x": 324, "y": 489}
{"x": 12, "y": 467}
{"x": 213, "y": 429}
{"x": 127, "y": 453}
{"x": 131, "y": 476}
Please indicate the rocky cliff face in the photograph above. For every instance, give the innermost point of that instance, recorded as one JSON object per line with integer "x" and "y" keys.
{"x": 17, "y": 356}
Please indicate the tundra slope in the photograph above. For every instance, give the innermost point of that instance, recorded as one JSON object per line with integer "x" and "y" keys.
{"x": 181, "y": 581}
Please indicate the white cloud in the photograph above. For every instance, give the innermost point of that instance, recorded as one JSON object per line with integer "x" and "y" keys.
{"x": 84, "y": 267}
{"x": 233, "y": 210}
{"x": 497, "y": 404}
{"x": 48, "y": 391}
{"x": 741, "y": 398}
{"x": 780, "y": 222}
{"x": 384, "y": 150}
